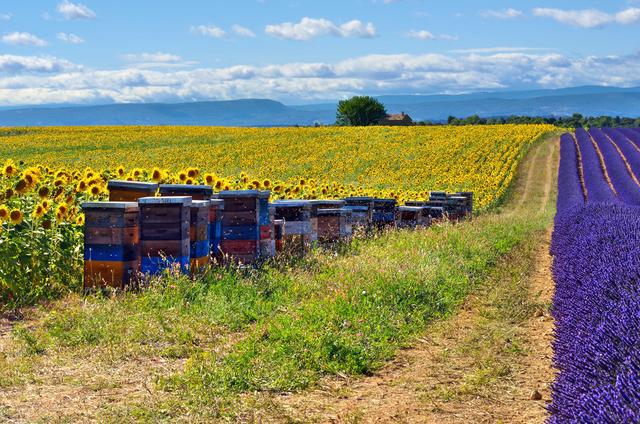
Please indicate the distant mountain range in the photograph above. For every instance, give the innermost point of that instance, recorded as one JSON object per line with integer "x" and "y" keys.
{"x": 589, "y": 101}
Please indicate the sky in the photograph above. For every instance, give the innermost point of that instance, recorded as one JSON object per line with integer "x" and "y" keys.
{"x": 304, "y": 51}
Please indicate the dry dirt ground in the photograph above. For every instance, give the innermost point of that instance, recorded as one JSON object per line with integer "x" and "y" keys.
{"x": 438, "y": 381}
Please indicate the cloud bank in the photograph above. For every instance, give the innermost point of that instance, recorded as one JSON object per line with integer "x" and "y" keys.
{"x": 44, "y": 79}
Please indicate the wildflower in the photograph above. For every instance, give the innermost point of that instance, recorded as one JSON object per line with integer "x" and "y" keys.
{"x": 80, "y": 219}
{"x": 95, "y": 190}
{"x": 120, "y": 171}
{"x": 10, "y": 168}
{"x": 43, "y": 192}
{"x": 38, "y": 211}
{"x": 4, "y": 213}
{"x": 16, "y": 216}
{"x": 62, "y": 209}
{"x": 156, "y": 175}
{"x": 22, "y": 186}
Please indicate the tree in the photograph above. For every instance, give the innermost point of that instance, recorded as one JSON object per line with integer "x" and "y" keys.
{"x": 360, "y": 111}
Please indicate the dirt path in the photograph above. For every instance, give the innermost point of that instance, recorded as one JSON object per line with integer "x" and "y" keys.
{"x": 454, "y": 374}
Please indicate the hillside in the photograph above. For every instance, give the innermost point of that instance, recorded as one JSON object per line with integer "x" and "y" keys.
{"x": 590, "y": 101}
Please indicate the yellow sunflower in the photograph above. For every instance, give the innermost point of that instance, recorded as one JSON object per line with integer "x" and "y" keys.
{"x": 16, "y": 216}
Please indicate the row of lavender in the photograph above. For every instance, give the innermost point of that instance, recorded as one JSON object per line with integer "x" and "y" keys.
{"x": 596, "y": 249}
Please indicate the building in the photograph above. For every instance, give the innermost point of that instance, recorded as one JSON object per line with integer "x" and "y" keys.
{"x": 396, "y": 119}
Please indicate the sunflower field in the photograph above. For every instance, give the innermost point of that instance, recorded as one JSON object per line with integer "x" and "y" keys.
{"x": 48, "y": 172}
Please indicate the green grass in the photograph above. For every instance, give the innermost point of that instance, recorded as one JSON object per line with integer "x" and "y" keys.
{"x": 276, "y": 330}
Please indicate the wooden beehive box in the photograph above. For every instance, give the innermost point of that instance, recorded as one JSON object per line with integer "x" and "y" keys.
{"x": 111, "y": 244}
{"x": 297, "y": 225}
{"x": 384, "y": 212}
{"x": 244, "y": 222}
{"x": 165, "y": 230}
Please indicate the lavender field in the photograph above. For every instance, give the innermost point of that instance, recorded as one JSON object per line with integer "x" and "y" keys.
{"x": 596, "y": 249}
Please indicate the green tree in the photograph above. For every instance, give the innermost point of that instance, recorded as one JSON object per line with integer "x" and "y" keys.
{"x": 360, "y": 111}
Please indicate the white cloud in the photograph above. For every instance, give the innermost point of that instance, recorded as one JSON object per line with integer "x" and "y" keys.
{"x": 509, "y": 13}
{"x": 421, "y": 35}
{"x": 75, "y": 10}
{"x": 502, "y": 50}
{"x": 11, "y": 64}
{"x": 156, "y": 60}
{"x": 242, "y": 31}
{"x": 590, "y": 18}
{"x": 309, "y": 28}
{"x": 428, "y": 35}
{"x": 36, "y": 80}
{"x": 23, "y": 39}
{"x": 70, "y": 38}
{"x": 5, "y": 16}
{"x": 208, "y": 31}
{"x": 157, "y": 57}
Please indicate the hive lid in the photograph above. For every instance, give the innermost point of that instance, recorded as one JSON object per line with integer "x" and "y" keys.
{"x": 336, "y": 202}
{"x": 291, "y": 203}
{"x": 200, "y": 203}
{"x": 244, "y": 193}
{"x": 167, "y": 200}
{"x": 187, "y": 188}
{"x": 216, "y": 202}
{"x": 411, "y": 208}
{"x": 131, "y": 184}
{"x": 110, "y": 205}
{"x": 359, "y": 198}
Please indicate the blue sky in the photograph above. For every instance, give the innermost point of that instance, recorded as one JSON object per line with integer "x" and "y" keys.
{"x": 90, "y": 51}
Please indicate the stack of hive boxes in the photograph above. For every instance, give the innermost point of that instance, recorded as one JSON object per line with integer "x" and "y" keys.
{"x": 244, "y": 211}
{"x": 199, "y": 193}
{"x": 298, "y": 231}
{"x": 165, "y": 233}
{"x": 361, "y": 212}
{"x": 384, "y": 212}
{"x": 199, "y": 234}
{"x": 467, "y": 204}
{"x": 111, "y": 244}
{"x": 130, "y": 191}
{"x": 333, "y": 221}
{"x": 412, "y": 217}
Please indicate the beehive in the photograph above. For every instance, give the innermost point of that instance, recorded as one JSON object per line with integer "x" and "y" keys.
{"x": 468, "y": 203}
{"x": 384, "y": 212}
{"x": 111, "y": 244}
{"x": 246, "y": 213}
{"x": 323, "y": 219}
{"x": 297, "y": 225}
{"x": 165, "y": 233}
{"x": 361, "y": 212}
{"x": 199, "y": 233}
{"x": 332, "y": 226}
{"x": 201, "y": 192}
{"x": 411, "y": 217}
{"x": 130, "y": 191}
